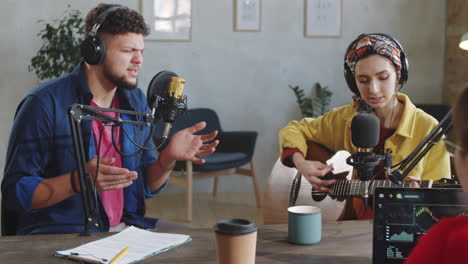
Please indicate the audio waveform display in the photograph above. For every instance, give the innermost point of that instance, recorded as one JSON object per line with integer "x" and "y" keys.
{"x": 403, "y": 215}
{"x": 399, "y": 233}
{"x": 427, "y": 216}
{"x": 403, "y": 236}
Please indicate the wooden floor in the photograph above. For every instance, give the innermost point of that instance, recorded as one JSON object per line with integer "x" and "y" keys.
{"x": 207, "y": 210}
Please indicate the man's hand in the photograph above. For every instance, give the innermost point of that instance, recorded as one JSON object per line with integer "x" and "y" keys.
{"x": 109, "y": 177}
{"x": 184, "y": 145}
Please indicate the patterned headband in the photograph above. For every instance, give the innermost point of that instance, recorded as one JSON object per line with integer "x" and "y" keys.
{"x": 374, "y": 44}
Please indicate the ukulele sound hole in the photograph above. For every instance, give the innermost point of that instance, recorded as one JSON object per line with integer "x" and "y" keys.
{"x": 318, "y": 197}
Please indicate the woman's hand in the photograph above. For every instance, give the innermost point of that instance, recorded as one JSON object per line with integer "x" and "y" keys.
{"x": 414, "y": 181}
{"x": 313, "y": 171}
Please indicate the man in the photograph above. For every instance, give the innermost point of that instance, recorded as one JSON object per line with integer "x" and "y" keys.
{"x": 40, "y": 183}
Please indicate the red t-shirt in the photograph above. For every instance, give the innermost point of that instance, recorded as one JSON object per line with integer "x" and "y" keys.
{"x": 112, "y": 201}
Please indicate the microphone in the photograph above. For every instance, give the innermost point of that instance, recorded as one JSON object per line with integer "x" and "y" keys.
{"x": 365, "y": 130}
{"x": 165, "y": 98}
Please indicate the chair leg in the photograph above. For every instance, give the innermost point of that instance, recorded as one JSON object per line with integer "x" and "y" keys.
{"x": 215, "y": 186}
{"x": 255, "y": 185}
{"x": 189, "y": 187}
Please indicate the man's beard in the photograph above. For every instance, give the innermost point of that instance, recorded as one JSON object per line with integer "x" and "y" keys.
{"x": 120, "y": 82}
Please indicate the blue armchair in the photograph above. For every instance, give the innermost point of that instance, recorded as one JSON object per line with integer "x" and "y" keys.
{"x": 235, "y": 150}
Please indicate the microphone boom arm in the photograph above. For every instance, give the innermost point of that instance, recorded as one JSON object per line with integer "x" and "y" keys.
{"x": 420, "y": 151}
{"x": 92, "y": 110}
{"x": 76, "y": 115}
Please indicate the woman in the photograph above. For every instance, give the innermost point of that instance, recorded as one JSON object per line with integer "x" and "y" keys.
{"x": 375, "y": 69}
{"x": 447, "y": 242}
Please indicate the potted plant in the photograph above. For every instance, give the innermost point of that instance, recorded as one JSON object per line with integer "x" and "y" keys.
{"x": 313, "y": 106}
{"x": 60, "y": 51}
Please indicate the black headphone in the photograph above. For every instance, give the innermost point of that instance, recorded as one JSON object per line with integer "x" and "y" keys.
{"x": 92, "y": 48}
{"x": 348, "y": 74}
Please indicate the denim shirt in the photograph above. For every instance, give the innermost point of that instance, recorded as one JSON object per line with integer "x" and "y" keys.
{"x": 41, "y": 147}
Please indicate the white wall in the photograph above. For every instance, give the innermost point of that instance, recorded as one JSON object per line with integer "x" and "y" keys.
{"x": 244, "y": 76}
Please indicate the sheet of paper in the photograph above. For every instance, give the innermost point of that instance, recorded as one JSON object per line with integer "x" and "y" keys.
{"x": 142, "y": 244}
{"x": 339, "y": 162}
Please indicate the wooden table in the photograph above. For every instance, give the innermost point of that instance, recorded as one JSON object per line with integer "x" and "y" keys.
{"x": 342, "y": 242}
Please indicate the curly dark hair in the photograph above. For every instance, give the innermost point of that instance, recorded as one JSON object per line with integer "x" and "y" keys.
{"x": 120, "y": 21}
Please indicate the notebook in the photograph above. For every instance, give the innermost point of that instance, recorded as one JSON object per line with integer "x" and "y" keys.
{"x": 402, "y": 215}
{"x": 141, "y": 243}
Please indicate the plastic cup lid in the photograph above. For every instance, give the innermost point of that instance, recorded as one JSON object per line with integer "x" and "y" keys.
{"x": 235, "y": 226}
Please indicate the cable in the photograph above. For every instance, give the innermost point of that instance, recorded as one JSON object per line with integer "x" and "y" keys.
{"x": 96, "y": 211}
{"x": 373, "y": 179}
{"x": 141, "y": 148}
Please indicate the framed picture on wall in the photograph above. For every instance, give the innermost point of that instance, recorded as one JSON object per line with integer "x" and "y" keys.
{"x": 169, "y": 20}
{"x": 247, "y": 15}
{"x": 322, "y": 18}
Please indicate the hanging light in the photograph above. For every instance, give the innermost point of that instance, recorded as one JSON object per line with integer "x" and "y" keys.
{"x": 464, "y": 41}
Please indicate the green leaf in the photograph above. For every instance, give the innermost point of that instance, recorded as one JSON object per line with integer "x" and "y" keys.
{"x": 60, "y": 51}
{"x": 316, "y": 105}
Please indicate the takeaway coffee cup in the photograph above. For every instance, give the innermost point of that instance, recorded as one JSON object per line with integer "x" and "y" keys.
{"x": 304, "y": 224}
{"x": 236, "y": 241}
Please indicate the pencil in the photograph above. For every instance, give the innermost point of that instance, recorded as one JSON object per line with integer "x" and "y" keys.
{"x": 119, "y": 255}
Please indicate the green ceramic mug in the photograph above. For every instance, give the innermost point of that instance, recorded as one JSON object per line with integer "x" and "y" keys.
{"x": 304, "y": 224}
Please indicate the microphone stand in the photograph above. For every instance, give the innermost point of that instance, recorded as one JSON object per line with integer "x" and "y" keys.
{"x": 421, "y": 150}
{"x": 77, "y": 113}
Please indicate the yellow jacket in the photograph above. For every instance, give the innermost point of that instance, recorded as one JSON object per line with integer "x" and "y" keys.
{"x": 333, "y": 131}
